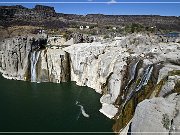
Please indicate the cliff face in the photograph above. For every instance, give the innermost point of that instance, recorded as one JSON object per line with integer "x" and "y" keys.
{"x": 25, "y": 58}
{"x": 15, "y": 53}
{"x": 125, "y": 71}
{"x": 101, "y": 67}
{"x": 20, "y": 12}
{"x": 53, "y": 66}
{"x": 42, "y": 16}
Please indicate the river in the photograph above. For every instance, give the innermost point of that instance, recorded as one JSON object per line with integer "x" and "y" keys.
{"x": 50, "y": 107}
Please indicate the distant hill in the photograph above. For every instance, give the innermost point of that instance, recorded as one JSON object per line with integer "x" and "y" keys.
{"x": 47, "y": 17}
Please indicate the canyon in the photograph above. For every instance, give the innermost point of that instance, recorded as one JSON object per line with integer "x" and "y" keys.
{"x": 47, "y": 17}
{"x": 138, "y": 75}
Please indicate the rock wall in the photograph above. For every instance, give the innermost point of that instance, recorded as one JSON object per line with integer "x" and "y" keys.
{"x": 99, "y": 66}
{"x": 15, "y": 53}
{"x": 26, "y": 58}
{"x": 53, "y": 66}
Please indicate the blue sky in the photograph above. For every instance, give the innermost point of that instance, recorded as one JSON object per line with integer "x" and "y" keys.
{"x": 115, "y": 9}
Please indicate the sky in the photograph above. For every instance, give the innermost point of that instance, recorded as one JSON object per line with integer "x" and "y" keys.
{"x": 109, "y": 7}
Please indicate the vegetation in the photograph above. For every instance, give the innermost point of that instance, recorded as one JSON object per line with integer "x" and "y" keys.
{"x": 166, "y": 121}
{"x": 177, "y": 87}
{"x": 174, "y": 72}
{"x": 106, "y": 36}
{"x": 135, "y": 28}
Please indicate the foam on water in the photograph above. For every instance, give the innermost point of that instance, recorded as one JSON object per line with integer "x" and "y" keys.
{"x": 82, "y": 111}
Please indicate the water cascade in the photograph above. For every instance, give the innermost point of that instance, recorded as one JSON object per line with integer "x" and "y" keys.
{"x": 145, "y": 78}
{"x": 132, "y": 74}
{"x": 34, "y": 59}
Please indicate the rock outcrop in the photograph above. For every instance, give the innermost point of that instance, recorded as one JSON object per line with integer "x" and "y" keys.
{"x": 157, "y": 115}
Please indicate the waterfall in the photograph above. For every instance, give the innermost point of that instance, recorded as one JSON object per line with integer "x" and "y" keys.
{"x": 145, "y": 78}
{"x": 132, "y": 74}
{"x": 34, "y": 60}
{"x": 133, "y": 71}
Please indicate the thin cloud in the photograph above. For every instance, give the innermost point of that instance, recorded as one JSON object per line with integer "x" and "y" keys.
{"x": 112, "y": 1}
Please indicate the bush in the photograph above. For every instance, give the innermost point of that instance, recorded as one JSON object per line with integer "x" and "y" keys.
{"x": 166, "y": 121}
{"x": 132, "y": 28}
{"x": 106, "y": 36}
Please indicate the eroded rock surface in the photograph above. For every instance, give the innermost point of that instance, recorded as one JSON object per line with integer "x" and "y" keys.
{"x": 156, "y": 115}
{"x": 54, "y": 66}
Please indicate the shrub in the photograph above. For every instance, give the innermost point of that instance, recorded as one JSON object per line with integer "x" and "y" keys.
{"x": 106, "y": 36}
{"x": 166, "y": 121}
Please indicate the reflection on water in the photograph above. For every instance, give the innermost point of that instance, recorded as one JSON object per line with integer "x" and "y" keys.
{"x": 26, "y": 106}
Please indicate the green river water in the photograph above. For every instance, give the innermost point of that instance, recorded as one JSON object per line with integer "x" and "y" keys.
{"x": 49, "y": 107}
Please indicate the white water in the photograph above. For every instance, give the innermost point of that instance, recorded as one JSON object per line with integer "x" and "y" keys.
{"x": 143, "y": 82}
{"x": 133, "y": 71}
{"x": 145, "y": 77}
{"x": 82, "y": 111}
{"x": 34, "y": 60}
{"x": 132, "y": 74}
